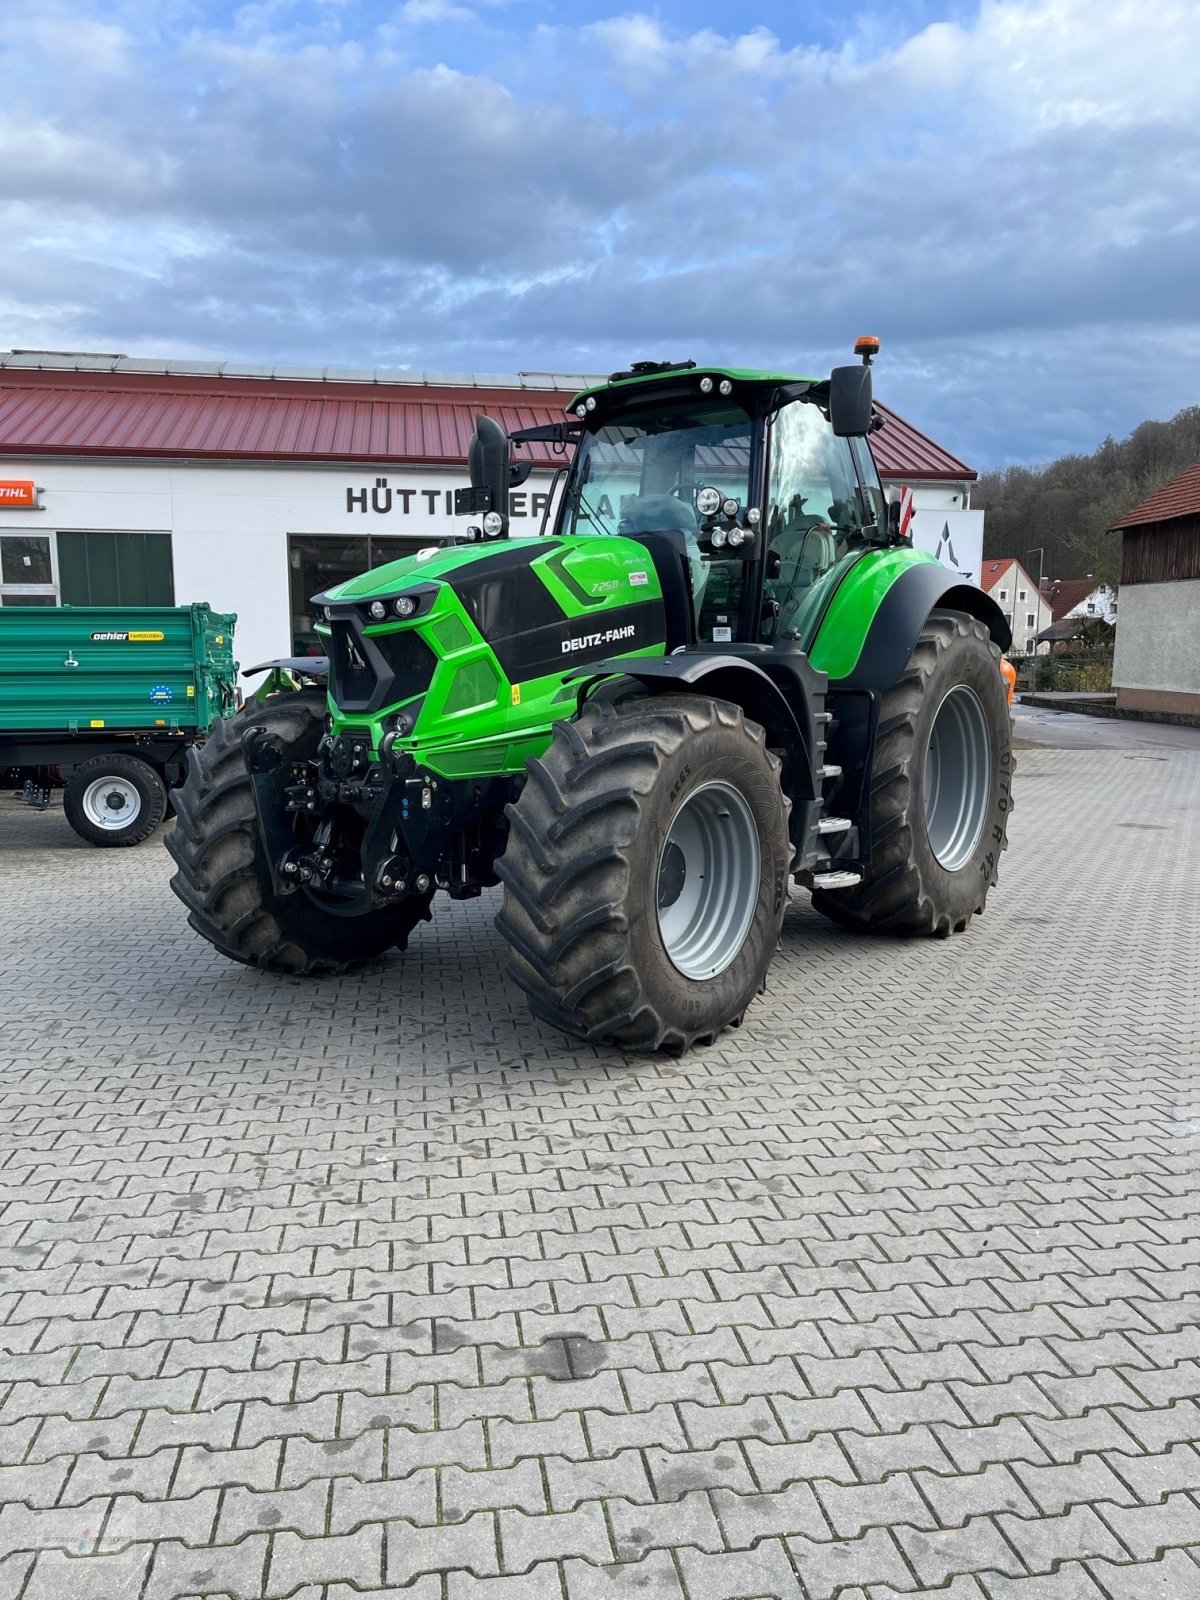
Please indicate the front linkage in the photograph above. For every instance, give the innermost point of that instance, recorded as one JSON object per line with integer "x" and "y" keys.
{"x": 369, "y": 833}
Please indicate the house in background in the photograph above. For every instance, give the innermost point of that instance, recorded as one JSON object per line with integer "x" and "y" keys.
{"x": 1081, "y": 597}
{"x": 1156, "y": 666}
{"x": 1026, "y": 610}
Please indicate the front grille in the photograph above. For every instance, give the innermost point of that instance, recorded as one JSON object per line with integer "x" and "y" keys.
{"x": 366, "y": 674}
{"x": 351, "y": 678}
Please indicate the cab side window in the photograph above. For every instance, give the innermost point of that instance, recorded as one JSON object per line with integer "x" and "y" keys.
{"x": 814, "y": 509}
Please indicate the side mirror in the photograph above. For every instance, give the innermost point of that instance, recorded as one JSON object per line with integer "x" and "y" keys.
{"x": 489, "y": 466}
{"x": 850, "y": 401}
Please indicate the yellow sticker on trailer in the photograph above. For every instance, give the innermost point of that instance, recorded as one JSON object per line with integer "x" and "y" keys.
{"x": 95, "y": 724}
{"x": 147, "y": 636}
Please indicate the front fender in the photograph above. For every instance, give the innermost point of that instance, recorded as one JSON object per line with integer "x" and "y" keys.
{"x": 876, "y": 615}
{"x": 784, "y": 695}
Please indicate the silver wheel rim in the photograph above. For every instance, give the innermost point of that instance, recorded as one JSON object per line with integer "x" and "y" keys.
{"x": 707, "y": 880}
{"x": 958, "y": 778}
{"x": 111, "y": 803}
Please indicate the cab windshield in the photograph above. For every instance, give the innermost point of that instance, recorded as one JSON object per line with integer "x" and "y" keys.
{"x": 640, "y": 474}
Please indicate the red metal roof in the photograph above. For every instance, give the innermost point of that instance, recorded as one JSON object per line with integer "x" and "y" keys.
{"x": 902, "y": 451}
{"x": 83, "y": 413}
{"x": 1180, "y": 498}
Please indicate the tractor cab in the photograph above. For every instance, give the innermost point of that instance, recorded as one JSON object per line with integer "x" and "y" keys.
{"x": 764, "y": 486}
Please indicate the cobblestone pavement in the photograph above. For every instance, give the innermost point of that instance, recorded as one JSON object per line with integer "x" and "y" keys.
{"x": 330, "y": 1288}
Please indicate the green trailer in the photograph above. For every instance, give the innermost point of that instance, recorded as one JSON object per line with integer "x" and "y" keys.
{"x": 108, "y": 700}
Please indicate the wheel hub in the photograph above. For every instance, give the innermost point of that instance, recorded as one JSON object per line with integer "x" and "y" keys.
{"x": 958, "y": 778}
{"x": 111, "y": 803}
{"x": 708, "y": 880}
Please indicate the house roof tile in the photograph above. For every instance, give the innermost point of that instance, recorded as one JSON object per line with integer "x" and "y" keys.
{"x": 1180, "y": 498}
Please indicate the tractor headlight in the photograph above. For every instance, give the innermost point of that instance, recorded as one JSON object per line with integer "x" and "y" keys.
{"x": 590, "y": 402}
{"x": 729, "y": 508}
{"x": 725, "y": 386}
{"x": 718, "y": 539}
{"x": 328, "y": 613}
{"x": 581, "y": 410}
{"x": 705, "y": 385}
{"x": 404, "y": 606}
{"x": 493, "y": 523}
{"x": 708, "y": 500}
{"x": 737, "y": 536}
{"x": 754, "y": 516}
{"x": 377, "y": 610}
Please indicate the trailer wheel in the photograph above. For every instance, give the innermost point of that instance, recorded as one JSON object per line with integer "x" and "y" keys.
{"x": 114, "y": 800}
{"x": 646, "y": 872}
{"x": 223, "y": 876}
{"x": 941, "y": 789}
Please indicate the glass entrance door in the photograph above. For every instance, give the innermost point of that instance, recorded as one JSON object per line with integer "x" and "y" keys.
{"x": 318, "y": 561}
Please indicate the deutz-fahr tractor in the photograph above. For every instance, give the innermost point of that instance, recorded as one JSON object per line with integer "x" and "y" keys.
{"x": 722, "y": 667}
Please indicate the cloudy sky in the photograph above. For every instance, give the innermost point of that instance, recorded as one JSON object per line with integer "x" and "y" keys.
{"x": 1007, "y": 192}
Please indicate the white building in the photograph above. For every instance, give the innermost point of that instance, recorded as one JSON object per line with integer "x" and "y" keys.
{"x": 1083, "y": 598}
{"x": 1156, "y": 666}
{"x": 1025, "y": 608}
{"x": 148, "y": 482}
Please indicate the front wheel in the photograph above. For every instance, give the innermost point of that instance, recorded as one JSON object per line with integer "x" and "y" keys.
{"x": 646, "y": 872}
{"x": 114, "y": 800}
{"x": 941, "y": 788}
{"x": 222, "y": 872}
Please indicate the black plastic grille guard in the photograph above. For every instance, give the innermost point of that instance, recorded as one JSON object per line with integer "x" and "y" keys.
{"x": 367, "y": 672}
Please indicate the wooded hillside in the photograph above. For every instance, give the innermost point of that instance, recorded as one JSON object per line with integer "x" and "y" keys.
{"x": 1066, "y": 505}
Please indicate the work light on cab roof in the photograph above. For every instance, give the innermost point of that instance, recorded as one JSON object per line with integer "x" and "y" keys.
{"x": 642, "y": 723}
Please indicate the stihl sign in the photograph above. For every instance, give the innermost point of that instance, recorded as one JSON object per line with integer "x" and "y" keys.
{"x": 22, "y": 492}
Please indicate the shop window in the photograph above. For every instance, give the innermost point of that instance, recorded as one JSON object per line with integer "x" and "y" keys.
{"x": 317, "y": 562}
{"x": 115, "y": 569}
{"x": 27, "y": 570}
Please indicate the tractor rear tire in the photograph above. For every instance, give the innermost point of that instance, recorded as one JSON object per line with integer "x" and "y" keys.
{"x": 941, "y": 789}
{"x": 646, "y": 872}
{"x": 223, "y": 876}
{"x": 114, "y": 800}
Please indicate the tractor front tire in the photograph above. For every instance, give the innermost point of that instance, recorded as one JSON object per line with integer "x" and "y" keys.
{"x": 224, "y": 878}
{"x": 940, "y": 786}
{"x": 646, "y": 872}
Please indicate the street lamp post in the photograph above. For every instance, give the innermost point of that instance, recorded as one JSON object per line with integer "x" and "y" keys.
{"x": 1041, "y": 551}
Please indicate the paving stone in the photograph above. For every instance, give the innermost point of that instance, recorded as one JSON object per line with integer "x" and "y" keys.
{"x": 527, "y": 1541}
{"x": 768, "y": 1313}
{"x": 177, "y": 1571}
{"x": 354, "y": 1558}
{"x": 937, "y": 1555}
{"x": 766, "y": 1572}
{"x": 653, "y": 1578}
{"x": 469, "y": 1545}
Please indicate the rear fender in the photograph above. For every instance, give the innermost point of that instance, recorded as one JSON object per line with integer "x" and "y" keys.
{"x": 866, "y": 637}
{"x": 866, "y": 651}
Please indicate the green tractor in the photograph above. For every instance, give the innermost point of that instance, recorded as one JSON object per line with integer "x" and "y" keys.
{"x": 724, "y": 667}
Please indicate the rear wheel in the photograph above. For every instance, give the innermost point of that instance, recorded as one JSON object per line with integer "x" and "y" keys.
{"x": 114, "y": 800}
{"x": 941, "y": 788}
{"x": 646, "y": 872}
{"x": 224, "y": 878}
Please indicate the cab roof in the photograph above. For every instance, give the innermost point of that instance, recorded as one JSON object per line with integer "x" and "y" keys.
{"x": 653, "y": 372}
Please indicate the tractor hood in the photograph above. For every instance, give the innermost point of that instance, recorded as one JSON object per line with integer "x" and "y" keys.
{"x": 472, "y": 636}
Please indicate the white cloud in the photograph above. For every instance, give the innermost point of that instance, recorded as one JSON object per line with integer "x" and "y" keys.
{"x": 296, "y": 185}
